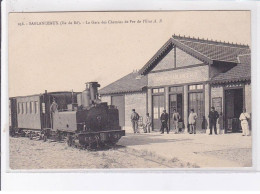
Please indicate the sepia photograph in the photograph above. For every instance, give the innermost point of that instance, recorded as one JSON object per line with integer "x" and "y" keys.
{"x": 130, "y": 90}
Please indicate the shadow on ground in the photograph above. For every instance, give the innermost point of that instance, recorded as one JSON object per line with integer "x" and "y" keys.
{"x": 143, "y": 139}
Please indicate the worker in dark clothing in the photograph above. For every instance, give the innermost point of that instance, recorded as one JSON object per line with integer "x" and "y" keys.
{"x": 53, "y": 109}
{"x": 213, "y": 117}
{"x": 134, "y": 119}
{"x": 164, "y": 122}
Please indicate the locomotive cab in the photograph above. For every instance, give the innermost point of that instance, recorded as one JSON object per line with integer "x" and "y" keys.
{"x": 91, "y": 122}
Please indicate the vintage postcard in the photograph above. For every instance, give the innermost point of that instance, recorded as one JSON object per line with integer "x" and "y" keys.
{"x": 130, "y": 90}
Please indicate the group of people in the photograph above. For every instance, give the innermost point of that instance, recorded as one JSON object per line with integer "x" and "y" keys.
{"x": 213, "y": 116}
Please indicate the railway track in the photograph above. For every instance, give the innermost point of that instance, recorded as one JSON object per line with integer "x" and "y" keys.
{"x": 121, "y": 150}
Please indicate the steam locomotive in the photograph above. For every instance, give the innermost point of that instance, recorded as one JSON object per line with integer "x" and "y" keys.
{"x": 81, "y": 118}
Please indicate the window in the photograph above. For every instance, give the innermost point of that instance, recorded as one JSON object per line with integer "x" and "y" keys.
{"x": 176, "y": 89}
{"x": 23, "y": 108}
{"x": 28, "y": 107}
{"x": 161, "y": 90}
{"x": 31, "y": 107}
{"x": 19, "y": 108}
{"x": 36, "y": 105}
{"x": 192, "y": 87}
{"x": 158, "y": 90}
{"x": 200, "y": 87}
{"x": 196, "y": 87}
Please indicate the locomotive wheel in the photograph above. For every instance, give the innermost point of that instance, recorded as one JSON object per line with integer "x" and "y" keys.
{"x": 70, "y": 140}
{"x": 23, "y": 134}
{"x": 44, "y": 138}
{"x": 31, "y": 136}
{"x": 59, "y": 136}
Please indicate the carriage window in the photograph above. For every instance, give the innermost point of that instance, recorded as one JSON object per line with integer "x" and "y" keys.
{"x": 24, "y": 108}
{"x": 21, "y": 108}
{"x": 31, "y": 107}
{"x": 18, "y": 108}
{"x": 36, "y": 105}
{"x": 28, "y": 107}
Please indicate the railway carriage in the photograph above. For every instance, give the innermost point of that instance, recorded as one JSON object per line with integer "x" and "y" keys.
{"x": 31, "y": 114}
{"x": 82, "y": 118}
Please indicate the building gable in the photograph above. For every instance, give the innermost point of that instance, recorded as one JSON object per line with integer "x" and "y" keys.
{"x": 181, "y": 59}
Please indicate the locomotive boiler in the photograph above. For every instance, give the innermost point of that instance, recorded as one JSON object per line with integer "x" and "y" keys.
{"x": 89, "y": 123}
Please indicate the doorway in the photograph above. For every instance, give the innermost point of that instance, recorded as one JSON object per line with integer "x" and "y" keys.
{"x": 196, "y": 102}
{"x": 158, "y": 107}
{"x": 234, "y": 103}
{"x": 175, "y": 102}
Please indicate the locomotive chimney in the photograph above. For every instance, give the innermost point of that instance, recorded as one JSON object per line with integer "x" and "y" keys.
{"x": 93, "y": 88}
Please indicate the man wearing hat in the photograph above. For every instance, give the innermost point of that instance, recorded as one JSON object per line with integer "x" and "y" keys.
{"x": 164, "y": 122}
{"x": 134, "y": 120}
{"x": 213, "y": 117}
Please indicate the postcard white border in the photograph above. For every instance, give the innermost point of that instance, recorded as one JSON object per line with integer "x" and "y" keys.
{"x": 130, "y": 179}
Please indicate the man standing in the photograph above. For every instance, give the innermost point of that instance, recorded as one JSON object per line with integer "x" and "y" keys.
{"x": 244, "y": 118}
{"x": 53, "y": 109}
{"x": 213, "y": 117}
{"x": 176, "y": 117}
{"x": 192, "y": 121}
{"x": 134, "y": 120}
{"x": 148, "y": 123}
{"x": 164, "y": 122}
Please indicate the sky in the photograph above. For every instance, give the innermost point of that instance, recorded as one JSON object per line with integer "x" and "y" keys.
{"x": 62, "y": 51}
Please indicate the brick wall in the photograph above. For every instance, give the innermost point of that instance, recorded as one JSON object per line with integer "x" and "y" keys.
{"x": 179, "y": 76}
{"x": 135, "y": 101}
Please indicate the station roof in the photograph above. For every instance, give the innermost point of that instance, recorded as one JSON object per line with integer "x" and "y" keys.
{"x": 241, "y": 72}
{"x": 207, "y": 51}
{"x": 133, "y": 82}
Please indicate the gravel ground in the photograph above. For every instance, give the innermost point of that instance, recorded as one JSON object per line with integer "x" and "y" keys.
{"x": 35, "y": 154}
{"x": 242, "y": 156}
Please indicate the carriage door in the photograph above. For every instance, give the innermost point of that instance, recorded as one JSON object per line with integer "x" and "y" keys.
{"x": 158, "y": 107}
{"x": 196, "y": 101}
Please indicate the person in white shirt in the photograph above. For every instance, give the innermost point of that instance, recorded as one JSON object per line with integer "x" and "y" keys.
{"x": 192, "y": 121}
{"x": 176, "y": 118}
{"x": 148, "y": 123}
{"x": 244, "y": 118}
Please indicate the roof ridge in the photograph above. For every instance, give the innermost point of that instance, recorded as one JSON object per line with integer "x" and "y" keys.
{"x": 195, "y": 50}
{"x": 240, "y": 55}
{"x": 202, "y": 40}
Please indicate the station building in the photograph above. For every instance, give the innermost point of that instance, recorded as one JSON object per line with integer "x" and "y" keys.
{"x": 187, "y": 73}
